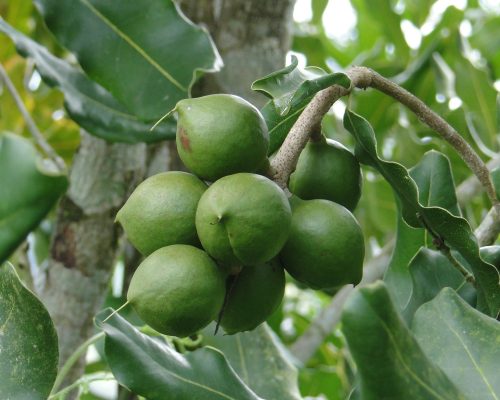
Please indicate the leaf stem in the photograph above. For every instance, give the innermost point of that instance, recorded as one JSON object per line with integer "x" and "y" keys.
{"x": 74, "y": 358}
{"x": 77, "y": 383}
{"x": 35, "y": 132}
{"x": 445, "y": 250}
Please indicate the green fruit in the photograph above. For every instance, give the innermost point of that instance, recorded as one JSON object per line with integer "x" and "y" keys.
{"x": 220, "y": 134}
{"x": 325, "y": 248}
{"x": 177, "y": 290}
{"x": 254, "y": 294}
{"x": 161, "y": 211}
{"x": 327, "y": 170}
{"x": 243, "y": 219}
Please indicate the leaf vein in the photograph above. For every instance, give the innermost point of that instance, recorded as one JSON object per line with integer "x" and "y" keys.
{"x": 134, "y": 45}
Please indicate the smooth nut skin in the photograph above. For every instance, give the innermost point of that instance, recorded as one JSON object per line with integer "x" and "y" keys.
{"x": 161, "y": 211}
{"x": 177, "y": 290}
{"x": 325, "y": 248}
{"x": 327, "y": 170}
{"x": 243, "y": 219}
{"x": 219, "y": 135}
{"x": 255, "y": 293}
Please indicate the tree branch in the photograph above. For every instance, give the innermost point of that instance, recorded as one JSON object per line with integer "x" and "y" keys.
{"x": 286, "y": 159}
{"x": 471, "y": 187}
{"x": 35, "y": 132}
{"x": 445, "y": 130}
{"x": 489, "y": 229}
{"x": 323, "y": 324}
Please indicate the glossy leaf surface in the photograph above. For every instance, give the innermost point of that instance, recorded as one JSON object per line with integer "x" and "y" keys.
{"x": 28, "y": 341}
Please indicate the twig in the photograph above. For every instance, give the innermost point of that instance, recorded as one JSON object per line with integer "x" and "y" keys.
{"x": 324, "y": 323}
{"x": 489, "y": 229}
{"x": 35, "y": 132}
{"x": 73, "y": 359}
{"x": 471, "y": 187}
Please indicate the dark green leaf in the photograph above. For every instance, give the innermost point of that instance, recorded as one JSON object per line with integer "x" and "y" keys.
{"x": 146, "y": 53}
{"x": 28, "y": 342}
{"x": 391, "y": 364}
{"x": 255, "y": 356}
{"x": 436, "y": 187}
{"x": 430, "y": 272}
{"x": 454, "y": 231}
{"x": 151, "y": 368}
{"x": 462, "y": 342}
{"x": 291, "y": 89}
{"x": 90, "y": 105}
{"x": 27, "y": 193}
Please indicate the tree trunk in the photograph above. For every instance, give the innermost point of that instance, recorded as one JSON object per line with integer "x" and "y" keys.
{"x": 84, "y": 242}
{"x": 252, "y": 38}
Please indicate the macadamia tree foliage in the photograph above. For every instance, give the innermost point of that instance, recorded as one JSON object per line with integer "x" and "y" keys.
{"x": 327, "y": 231}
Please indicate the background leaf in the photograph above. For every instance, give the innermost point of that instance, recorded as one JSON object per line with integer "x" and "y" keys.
{"x": 87, "y": 103}
{"x": 462, "y": 342}
{"x": 26, "y": 194}
{"x": 147, "y": 53}
{"x": 151, "y": 368}
{"x": 28, "y": 341}
{"x": 455, "y": 231}
{"x": 256, "y": 356}
{"x": 391, "y": 364}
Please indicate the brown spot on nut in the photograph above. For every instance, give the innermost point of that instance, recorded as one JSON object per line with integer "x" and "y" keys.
{"x": 184, "y": 139}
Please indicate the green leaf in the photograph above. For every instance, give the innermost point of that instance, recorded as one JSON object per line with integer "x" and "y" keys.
{"x": 255, "y": 356}
{"x": 28, "y": 341}
{"x": 454, "y": 231}
{"x": 430, "y": 272}
{"x": 391, "y": 364}
{"x": 87, "y": 103}
{"x": 27, "y": 193}
{"x": 462, "y": 342}
{"x": 146, "y": 53}
{"x": 436, "y": 187}
{"x": 389, "y": 22}
{"x": 151, "y": 368}
{"x": 291, "y": 89}
{"x": 476, "y": 91}
{"x": 486, "y": 38}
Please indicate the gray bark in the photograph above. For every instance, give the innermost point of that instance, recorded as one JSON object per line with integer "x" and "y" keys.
{"x": 253, "y": 38}
{"x": 85, "y": 239}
